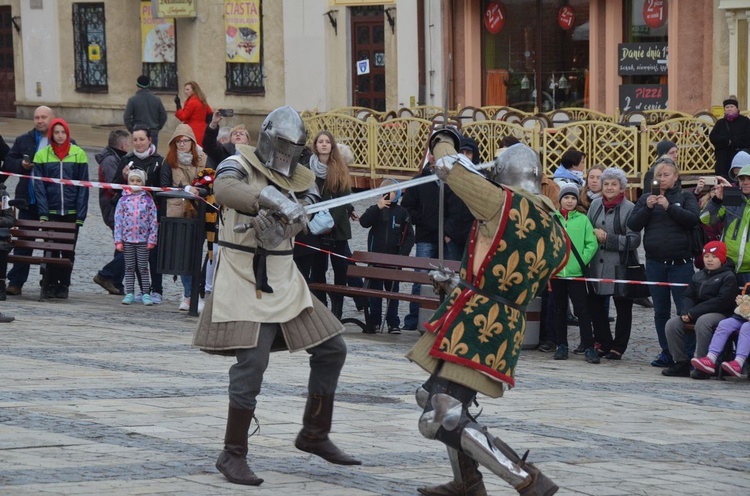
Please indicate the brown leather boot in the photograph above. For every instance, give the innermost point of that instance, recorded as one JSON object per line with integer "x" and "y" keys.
{"x": 540, "y": 484}
{"x": 232, "y": 461}
{"x": 468, "y": 483}
{"x": 316, "y": 424}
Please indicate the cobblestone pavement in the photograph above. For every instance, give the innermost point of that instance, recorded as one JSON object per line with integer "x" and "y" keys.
{"x": 99, "y": 398}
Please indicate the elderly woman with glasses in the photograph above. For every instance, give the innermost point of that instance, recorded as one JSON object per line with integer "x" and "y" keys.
{"x": 667, "y": 215}
{"x": 219, "y": 151}
{"x": 181, "y": 166}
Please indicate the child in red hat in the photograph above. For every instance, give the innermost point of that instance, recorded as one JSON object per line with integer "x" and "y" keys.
{"x": 736, "y": 323}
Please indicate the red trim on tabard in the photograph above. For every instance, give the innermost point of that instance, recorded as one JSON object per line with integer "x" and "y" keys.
{"x": 441, "y": 325}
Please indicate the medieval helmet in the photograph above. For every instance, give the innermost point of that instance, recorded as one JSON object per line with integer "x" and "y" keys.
{"x": 518, "y": 166}
{"x": 281, "y": 141}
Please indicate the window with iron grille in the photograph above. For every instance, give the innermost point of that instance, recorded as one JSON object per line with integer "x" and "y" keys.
{"x": 90, "y": 47}
{"x": 163, "y": 75}
{"x": 247, "y": 78}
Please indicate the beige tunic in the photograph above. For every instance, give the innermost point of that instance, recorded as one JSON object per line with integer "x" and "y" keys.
{"x": 232, "y": 316}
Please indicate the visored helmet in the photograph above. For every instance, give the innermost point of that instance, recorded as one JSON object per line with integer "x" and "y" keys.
{"x": 518, "y": 166}
{"x": 281, "y": 141}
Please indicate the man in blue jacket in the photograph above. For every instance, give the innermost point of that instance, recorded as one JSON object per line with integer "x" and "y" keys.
{"x": 19, "y": 161}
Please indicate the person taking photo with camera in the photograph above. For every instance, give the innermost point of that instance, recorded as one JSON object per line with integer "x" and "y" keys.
{"x": 731, "y": 206}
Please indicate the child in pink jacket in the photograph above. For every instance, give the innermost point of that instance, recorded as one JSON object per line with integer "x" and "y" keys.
{"x": 135, "y": 234}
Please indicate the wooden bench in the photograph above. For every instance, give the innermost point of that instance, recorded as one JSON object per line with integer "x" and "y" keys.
{"x": 388, "y": 268}
{"x": 46, "y": 237}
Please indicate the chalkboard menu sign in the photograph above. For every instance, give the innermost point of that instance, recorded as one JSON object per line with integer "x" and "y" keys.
{"x": 641, "y": 59}
{"x": 643, "y": 97}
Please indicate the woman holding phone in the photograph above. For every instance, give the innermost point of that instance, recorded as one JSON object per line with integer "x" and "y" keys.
{"x": 666, "y": 214}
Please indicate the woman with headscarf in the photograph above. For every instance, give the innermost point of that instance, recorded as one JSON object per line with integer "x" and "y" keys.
{"x": 55, "y": 202}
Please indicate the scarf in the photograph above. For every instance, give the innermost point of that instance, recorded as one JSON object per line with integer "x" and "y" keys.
{"x": 61, "y": 150}
{"x": 149, "y": 151}
{"x": 569, "y": 175}
{"x": 319, "y": 168}
{"x": 564, "y": 213}
{"x": 185, "y": 158}
{"x": 610, "y": 204}
{"x": 593, "y": 196}
{"x": 731, "y": 117}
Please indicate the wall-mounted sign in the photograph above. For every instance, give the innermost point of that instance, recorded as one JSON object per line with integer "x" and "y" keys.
{"x": 363, "y": 67}
{"x": 157, "y": 38}
{"x": 494, "y": 17}
{"x": 642, "y": 59}
{"x": 242, "y": 31}
{"x": 643, "y": 97}
{"x": 566, "y": 17}
{"x": 95, "y": 52}
{"x": 174, "y": 8}
{"x": 655, "y": 13}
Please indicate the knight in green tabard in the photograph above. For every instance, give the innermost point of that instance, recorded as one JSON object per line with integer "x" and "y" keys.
{"x": 474, "y": 338}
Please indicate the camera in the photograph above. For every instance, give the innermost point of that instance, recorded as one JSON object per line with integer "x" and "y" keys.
{"x": 226, "y": 112}
{"x": 709, "y": 180}
{"x": 733, "y": 197}
{"x": 26, "y": 158}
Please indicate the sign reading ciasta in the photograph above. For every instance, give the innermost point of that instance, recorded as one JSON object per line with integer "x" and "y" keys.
{"x": 643, "y": 97}
{"x": 642, "y": 59}
{"x": 242, "y": 30}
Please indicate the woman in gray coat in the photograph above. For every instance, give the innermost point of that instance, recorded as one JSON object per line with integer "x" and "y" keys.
{"x": 609, "y": 216}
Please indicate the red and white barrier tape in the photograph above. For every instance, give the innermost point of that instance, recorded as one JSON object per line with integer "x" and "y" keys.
{"x": 86, "y": 184}
{"x": 622, "y": 281}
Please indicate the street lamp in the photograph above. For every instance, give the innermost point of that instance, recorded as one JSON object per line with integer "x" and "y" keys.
{"x": 525, "y": 83}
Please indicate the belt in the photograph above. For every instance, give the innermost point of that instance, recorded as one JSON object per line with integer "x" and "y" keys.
{"x": 494, "y": 297}
{"x": 259, "y": 264}
{"x": 678, "y": 261}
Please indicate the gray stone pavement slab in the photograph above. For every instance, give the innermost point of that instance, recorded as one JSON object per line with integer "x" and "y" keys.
{"x": 98, "y": 398}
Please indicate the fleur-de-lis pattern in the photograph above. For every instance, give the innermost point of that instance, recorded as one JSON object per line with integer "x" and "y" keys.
{"x": 524, "y": 224}
{"x": 485, "y": 334}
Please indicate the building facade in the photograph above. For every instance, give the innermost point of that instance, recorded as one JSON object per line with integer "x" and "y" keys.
{"x": 83, "y": 57}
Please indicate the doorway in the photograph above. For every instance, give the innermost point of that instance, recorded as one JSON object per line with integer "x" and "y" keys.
{"x": 368, "y": 43}
{"x": 7, "y": 72}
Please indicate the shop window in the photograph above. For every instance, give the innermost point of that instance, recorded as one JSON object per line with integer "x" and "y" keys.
{"x": 89, "y": 47}
{"x": 158, "y": 49}
{"x": 244, "y": 47}
{"x": 645, "y": 21}
{"x": 534, "y": 53}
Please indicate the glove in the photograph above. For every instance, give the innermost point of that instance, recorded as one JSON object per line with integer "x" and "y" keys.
{"x": 177, "y": 102}
{"x": 443, "y": 166}
{"x": 443, "y": 280}
{"x": 270, "y": 231}
{"x": 274, "y": 200}
{"x": 118, "y": 246}
{"x": 151, "y": 246}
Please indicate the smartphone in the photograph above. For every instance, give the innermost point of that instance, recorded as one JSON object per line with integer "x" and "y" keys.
{"x": 26, "y": 158}
{"x": 709, "y": 180}
{"x": 226, "y": 112}
{"x": 655, "y": 186}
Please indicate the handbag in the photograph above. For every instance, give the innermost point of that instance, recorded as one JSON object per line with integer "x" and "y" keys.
{"x": 632, "y": 270}
{"x": 321, "y": 223}
{"x": 590, "y": 287}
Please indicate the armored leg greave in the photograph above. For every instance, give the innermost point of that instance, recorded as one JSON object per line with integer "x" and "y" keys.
{"x": 446, "y": 418}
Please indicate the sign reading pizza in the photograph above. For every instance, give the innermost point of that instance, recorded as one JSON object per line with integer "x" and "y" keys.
{"x": 494, "y": 17}
{"x": 655, "y": 13}
{"x": 566, "y": 17}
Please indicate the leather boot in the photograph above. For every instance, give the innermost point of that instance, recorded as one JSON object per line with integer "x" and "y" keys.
{"x": 3, "y": 294}
{"x": 337, "y": 305}
{"x": 232, "y": 461}
{"x": 316, "y": 424}
{"x": 468, "y": 481}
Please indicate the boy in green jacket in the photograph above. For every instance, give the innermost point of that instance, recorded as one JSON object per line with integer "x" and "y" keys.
{"x": 583, "y": 248}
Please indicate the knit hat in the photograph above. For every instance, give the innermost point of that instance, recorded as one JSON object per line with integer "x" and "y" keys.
{"x": 664, "y": 146}
{"x": 716, "y": 248}
{"x": 731, "y": 101}
{"x": 139, "y": 173}
{"x": 143, "y": 81}
{"x": 569, "y": 189}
